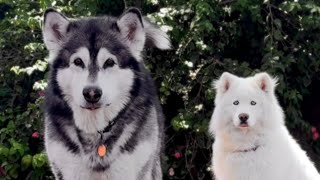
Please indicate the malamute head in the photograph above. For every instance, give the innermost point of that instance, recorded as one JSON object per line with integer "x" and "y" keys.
{"x": 245, "y": 105}
{"x": 94, "y": 62}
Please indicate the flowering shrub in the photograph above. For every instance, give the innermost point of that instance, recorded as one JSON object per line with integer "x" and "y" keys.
{"x": 208, "y": 36}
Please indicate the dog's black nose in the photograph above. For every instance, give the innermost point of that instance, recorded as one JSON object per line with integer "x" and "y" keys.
{"x": 92, "y": 94}
{"x": 243, "y": 118}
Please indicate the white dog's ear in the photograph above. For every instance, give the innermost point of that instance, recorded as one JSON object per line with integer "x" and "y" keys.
{"x": 135, "y": 30}
{"x": 265, "y": 82}
{"x": 222, "y": 85}
{"x": 54, "y": 30}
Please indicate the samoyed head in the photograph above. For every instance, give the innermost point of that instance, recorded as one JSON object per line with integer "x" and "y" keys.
{"x": 245, "y": 104}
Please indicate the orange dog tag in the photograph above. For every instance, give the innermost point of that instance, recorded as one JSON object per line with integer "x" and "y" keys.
{"x": 102, "y": 150}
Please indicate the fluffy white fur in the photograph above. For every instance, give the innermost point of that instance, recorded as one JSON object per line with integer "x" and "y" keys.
{"x": 262, "y": 151}
{"x": 160, "y": 39}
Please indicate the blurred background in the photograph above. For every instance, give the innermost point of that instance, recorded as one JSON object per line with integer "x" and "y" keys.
{"x": 209, "y": 37}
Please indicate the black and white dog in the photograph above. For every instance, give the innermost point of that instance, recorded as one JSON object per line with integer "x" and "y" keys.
{"x": 103, "y": 119}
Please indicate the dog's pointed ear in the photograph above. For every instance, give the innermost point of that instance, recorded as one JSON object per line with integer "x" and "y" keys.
{"x": 135, "y": 30}
{"x": 265, "y": 82}
{"x": 54, "y": 30}
{"x": 222, "y": 85}
{"x": 131, "y": 28}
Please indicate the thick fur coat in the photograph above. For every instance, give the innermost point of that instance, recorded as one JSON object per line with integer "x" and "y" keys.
{"x": 100, "y": 94}
{"x": 251, "y": 140}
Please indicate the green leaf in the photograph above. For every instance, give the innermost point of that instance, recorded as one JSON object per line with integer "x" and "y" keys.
{"x": 26, "y": 162}
{"x": 39, "y": 160}
{"x": 13, "y": 171}
{"x": 277, "y": 22}
{"x": 4, "y": 151}
{"x": 277, "y": 35}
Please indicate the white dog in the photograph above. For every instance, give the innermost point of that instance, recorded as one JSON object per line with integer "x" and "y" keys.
{"x": 251, "y": 140}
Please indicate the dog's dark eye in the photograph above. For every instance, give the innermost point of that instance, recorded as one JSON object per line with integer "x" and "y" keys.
{"x": 109, "y": 63}
{"x": 253, "y": 103}
{"x": 78, "y": 62}
{"x": 236, "y": 102}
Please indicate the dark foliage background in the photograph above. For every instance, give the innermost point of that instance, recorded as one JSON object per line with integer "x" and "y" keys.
{"x": 209, "y": 37}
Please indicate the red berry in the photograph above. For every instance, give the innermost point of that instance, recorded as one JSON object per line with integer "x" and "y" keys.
{"x": 171, "y": 172}
{"x": 315, "y": 136}
{"x": 35, "y": 135}
{"x": 2, "y": 171}
{"x": 313, "y": 129}
{"x": 177, "y": 155}
{"x": 41, "y": 93}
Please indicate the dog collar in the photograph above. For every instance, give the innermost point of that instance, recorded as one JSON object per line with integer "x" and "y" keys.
{"x": 107, "y": 128}
{"x": 248, "y": 150}
{"x": 102, "y": 149}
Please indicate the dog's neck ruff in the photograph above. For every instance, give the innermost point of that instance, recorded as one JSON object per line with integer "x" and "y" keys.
{"x": 248, "y": 150}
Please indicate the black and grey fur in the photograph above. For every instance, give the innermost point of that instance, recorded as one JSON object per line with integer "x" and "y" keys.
{"x": 99, "y": 92}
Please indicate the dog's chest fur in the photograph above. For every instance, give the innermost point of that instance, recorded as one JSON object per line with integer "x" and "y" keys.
{"x": 278, "y": 157}
{"x": 119, "y": 159}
